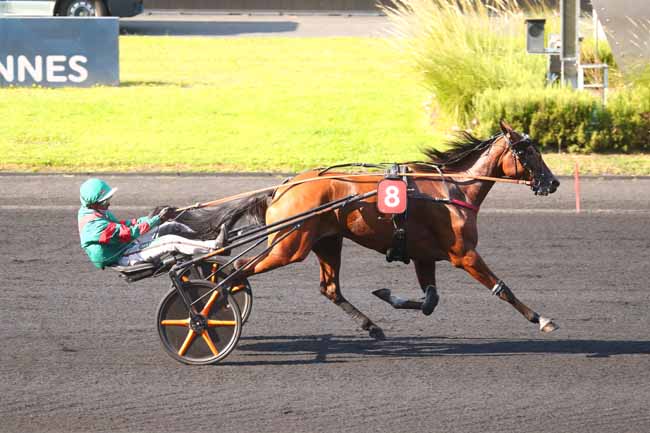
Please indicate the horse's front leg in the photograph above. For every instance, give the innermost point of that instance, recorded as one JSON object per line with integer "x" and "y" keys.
{"x": 426, "y": 273}
{"x": 472, "y": 262}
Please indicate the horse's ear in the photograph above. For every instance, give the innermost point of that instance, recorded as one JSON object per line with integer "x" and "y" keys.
{"x": 505, "y": 128}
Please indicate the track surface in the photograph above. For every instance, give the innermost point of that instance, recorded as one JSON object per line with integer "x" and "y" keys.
{"x": 80, "y": 351}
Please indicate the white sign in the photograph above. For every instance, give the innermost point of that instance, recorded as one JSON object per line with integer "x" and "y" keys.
{"x": 51, "y": 69}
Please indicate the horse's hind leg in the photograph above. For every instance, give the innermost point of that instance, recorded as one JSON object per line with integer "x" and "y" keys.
{"x": 328, "y": 251}
{"x": 472, "y": 262}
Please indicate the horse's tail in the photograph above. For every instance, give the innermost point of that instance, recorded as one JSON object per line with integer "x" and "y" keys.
{"x": 207, "y": 221}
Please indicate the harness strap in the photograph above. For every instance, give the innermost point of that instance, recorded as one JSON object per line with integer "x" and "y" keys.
{"x": 398, "y": 251}
{"x": 464, "y": 204}
{"x": 455, "y": 202}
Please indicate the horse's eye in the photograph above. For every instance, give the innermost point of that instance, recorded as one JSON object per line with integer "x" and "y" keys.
{"x": 528, "y": 150}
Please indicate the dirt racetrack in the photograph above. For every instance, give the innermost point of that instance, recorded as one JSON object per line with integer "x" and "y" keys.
{"x": 80, "y": 350}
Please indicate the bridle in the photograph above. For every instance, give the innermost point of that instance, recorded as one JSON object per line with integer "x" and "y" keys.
{"x": 518, "y": 154}
{"x": 519, "y": 157}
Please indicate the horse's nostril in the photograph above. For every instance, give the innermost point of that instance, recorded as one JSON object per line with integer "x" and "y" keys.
{"x": 555, "y": 183}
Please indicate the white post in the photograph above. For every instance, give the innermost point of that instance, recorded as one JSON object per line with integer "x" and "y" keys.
{"x": 596, "y": 33}
{"x": 581, "y": 77}
{"x": 605, "y": 83}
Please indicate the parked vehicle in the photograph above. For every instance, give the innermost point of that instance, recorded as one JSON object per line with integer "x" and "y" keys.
{"x": 72, "y": 8}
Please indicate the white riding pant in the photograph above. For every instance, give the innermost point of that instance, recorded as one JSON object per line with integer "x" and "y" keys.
{"x": 158, "y": 242}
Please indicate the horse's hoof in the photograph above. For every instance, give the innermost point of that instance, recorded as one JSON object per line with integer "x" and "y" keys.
{"x": 431, "y": 299}
{"x": 547, "y": 325}
{"x": 383, "y": 294}
{"x": 376, "y": 333}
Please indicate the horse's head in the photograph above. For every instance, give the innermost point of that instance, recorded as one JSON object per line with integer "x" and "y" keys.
{"x": 522, "y": 160}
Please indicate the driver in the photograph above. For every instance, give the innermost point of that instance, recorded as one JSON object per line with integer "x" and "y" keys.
{"x": 109, "y": 241}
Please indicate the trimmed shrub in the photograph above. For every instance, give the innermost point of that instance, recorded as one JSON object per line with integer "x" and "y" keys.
{"x": 563, "y": 119}
{"x": 471, "y": 56}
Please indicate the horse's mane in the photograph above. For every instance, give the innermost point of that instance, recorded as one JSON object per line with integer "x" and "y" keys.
{"x": 464, "y": 145}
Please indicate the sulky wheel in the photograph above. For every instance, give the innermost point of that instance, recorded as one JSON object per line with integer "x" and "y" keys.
{"x": 242, "y": 293}
{"x": 205, "y": 337}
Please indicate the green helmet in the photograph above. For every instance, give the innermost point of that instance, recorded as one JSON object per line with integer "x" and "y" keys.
{"x": 95, "y": 191}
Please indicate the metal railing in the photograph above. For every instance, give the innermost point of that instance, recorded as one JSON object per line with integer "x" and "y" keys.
{"x": 604, "y": 85}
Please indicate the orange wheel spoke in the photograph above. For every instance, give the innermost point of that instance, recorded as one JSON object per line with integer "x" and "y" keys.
{"x": 208, "y": 341}
{"x": 180, "y": 322}
{"x": 186, "y": 344}
{"x": 236, "y": 289}
{"x": 221, "y": 323}
{"x": 208, "y": 305}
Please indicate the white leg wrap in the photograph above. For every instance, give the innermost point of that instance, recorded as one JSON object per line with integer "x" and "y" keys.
{"x": 547, "y": 325}
{"x": 498, "y": 287}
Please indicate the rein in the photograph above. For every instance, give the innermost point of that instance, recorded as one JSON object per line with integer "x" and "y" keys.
{"x": 355, "y": 175}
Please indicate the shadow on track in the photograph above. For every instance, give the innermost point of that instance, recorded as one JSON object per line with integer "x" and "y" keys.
{"x": 204, "y": 28}
{"x": 324, "y": 346}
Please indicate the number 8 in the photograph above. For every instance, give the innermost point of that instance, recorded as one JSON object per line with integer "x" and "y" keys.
{"x": 392, "y": 196}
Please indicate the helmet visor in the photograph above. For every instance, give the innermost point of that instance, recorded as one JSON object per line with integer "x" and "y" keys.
{"x": 107, "y": 197}
{"x": 105, "y": 203}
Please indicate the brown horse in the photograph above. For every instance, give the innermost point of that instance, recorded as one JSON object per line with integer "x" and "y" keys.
{"x": 436, "y": 231}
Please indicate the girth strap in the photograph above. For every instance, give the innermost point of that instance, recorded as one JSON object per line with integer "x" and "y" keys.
{"x": 397, "y": 251}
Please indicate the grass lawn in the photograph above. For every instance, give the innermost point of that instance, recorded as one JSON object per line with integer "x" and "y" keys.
{"x": 207, "y": 104}
{"x": 597, "y": 164}
{"x": 259, "y": 104}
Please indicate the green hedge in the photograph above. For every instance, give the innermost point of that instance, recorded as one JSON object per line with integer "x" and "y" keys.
{"x": 461, "y": 47}
{"x": 568, "y": 120}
